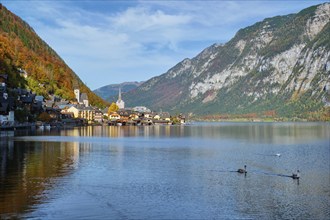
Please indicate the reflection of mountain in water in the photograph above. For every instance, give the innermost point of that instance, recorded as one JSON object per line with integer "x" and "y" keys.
{"x": 28, "y": 169}
{"x": 129, "y": 172}
{"x": 264, "y": 132}
{"x": 251, "y": 132}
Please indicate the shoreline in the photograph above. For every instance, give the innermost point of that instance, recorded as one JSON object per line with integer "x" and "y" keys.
{"x": 17, "y": 126}
{"x": 32, "y": 126}
{"x": 259, "y": 120}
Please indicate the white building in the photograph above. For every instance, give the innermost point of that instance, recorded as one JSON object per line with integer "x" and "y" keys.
{"x": 81, "y": 98}
{"x": 120, "y": 103}
{"x": 77, "y": 94}
{"x": 8, "y": 119}
{"x": 141, "y": 109}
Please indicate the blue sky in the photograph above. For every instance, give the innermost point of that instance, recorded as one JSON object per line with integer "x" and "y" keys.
{"x": 107, "y": 42}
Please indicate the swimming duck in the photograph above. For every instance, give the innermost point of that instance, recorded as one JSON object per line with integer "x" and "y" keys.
{"x": 240, "y": 170}
{"x": 296, "y": 175}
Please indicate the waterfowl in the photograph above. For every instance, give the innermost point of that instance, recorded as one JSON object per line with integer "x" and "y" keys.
{"x": 278, "y": 155}
{"x": 295, "y": 175}
{"x": 240, "y": 170}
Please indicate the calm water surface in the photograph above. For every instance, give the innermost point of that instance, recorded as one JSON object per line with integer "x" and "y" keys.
{"x": 167, "y": 172}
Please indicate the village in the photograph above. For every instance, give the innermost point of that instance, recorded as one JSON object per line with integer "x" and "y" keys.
{"x": 21, "y": 108}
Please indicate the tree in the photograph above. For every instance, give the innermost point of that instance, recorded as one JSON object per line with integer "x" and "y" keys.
{"x": 21, "y": 115}
{"x": 113, "y": 108}
{"x": 44, "y": 117}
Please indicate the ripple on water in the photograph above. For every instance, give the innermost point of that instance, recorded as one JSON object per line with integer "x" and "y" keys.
{"x": 154, "y": 176}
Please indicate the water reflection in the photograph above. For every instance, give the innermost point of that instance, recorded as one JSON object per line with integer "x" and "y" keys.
{"x": 264, "y": 132}
{"x": 250, "y": 132}
{"x": 28, "y": 169}
{"x": 166, "y": 172}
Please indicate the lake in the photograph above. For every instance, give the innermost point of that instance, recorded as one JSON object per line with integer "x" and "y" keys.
{"x": 167, "y": 172}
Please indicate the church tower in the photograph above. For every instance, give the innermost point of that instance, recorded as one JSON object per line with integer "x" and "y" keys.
{"x": 76, "y": 90}
{"x": 120, "y": 103}
{"x": 77, "y": 94}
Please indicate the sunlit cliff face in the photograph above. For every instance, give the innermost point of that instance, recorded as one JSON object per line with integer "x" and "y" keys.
{"x": 283, "y": 57}
{"x": 279, "y": 66}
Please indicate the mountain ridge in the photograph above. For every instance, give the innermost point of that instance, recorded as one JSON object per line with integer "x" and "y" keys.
{"x": 279, "y": 64}
{"x": 110, "y": 92}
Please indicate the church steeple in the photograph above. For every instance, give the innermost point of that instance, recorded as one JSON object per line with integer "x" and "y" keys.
{"x": 120, "y": 103}
{"x": 119, "y": 95}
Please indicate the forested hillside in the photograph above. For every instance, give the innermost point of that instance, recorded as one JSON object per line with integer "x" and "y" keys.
{"x": 23, "y": 52}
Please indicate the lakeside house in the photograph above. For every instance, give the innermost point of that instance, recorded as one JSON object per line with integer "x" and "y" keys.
{"x": 114, "y": 116}
{"x": 98, "y": 116}
{"x": 81, "y": 112}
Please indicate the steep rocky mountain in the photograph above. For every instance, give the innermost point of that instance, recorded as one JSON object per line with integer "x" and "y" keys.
{"x": 280, "y": 65}
{"x": 30, "y": 63}
{"x": 110, "y": 92}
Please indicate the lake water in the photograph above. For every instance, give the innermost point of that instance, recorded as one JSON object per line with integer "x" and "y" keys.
{"x": 167, "y": 172}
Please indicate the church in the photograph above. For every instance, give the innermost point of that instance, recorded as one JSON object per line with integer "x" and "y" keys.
{"x": 120, "y": 103}
{"x": 81, "y": 98}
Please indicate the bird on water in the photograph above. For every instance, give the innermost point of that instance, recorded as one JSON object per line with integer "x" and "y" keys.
{"x": 240, "y": 170}
{"x": 296, "y": 175}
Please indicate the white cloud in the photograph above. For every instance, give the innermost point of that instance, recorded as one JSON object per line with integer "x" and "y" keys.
{"x": 141, "y": 40}
{"x": 143, "y": 18}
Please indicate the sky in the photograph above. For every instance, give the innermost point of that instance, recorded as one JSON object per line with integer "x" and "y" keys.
{"x": 113, "y": 41}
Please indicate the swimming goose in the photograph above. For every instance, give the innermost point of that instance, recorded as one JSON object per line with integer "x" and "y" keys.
{"x": 240, "y": 170}
{"x": 295, "y": 175}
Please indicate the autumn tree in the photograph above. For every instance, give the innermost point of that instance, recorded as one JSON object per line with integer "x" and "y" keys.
{"x": 21, "y": 48}
{"x": 113, "y": 108}
{"x": 44, "y": 117}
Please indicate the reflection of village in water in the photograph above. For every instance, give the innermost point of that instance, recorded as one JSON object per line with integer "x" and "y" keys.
{"x": 31, "y": 168}
{"x": 28, "y": 170}
{"x": 125, "y": 131}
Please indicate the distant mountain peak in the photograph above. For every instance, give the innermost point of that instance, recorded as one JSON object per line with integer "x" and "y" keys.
{"x": 110, "y": 92}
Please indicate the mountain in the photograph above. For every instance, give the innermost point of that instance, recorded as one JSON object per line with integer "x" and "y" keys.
{"x": 110, "y": 92}
{"x": 23, "y": 52}
{"x": 279, "y": 65}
